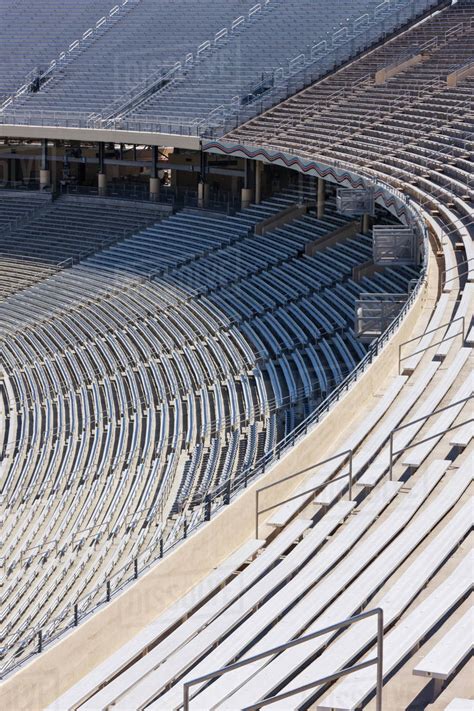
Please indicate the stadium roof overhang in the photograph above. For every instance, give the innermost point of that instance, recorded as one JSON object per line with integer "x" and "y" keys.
{"x": 100, "y": 135}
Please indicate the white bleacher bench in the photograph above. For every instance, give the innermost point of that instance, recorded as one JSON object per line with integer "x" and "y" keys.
{"x": 462, "y": 436}
{"x": 460, "y": 705}
{"x": 184, "y": 632}
{"x": 286, "y": 511}
{"x": 405, "y": 637}
{"x": 416, "y": 455}
{"x": 403, "y": 438}
{"x": 353, "y": 597}
{"x": 448, "y": 654}
{"x": 167, "y": 619}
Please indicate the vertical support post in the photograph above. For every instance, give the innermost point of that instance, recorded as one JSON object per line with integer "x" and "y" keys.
{"x": 203, "y": 187}
{"x": 185, "y": 697}
{"x": 108, "y": 593}
{"x": 321, "y": 201}
{"x": 227, "y": 494}
{"x": 247, "y": 191}
{"x": 378, "y": 697}
{"x": 154, "y": 161}
{"x": 185, "y": 527}
{"x": 40, "y": 642}
{"x": 161, "y": 547}
{"x": 259, "y": 167}
{"x": 154, "y": 180}
{"x": 135, "y": 568}
{"x": 300, "y": 187}
{"x": 76, "y": 615}
{"x": 365, "y": 223}
{"x": 391, "y": 457}
{"x": 102, "y": 177}
{"x": 256, "y": 513}
{"x": 45, "y": 175}
{"x": 350, "y": 475}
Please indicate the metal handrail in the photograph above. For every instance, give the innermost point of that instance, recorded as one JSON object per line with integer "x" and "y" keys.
{"x": 373, "y": 661}
{"x": 348, "y": 453}
{"x": 426, "y": 439}
{"x": 432, "y": 345}
{"x": 456, "y": 276}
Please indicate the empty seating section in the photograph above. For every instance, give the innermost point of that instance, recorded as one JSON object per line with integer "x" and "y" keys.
{"x": 284, "y": 30}
{"x": 46, "y": 34}
{"x": 228, "y": 53}
{"x": 143, "y": 45}
{"x": 336, "y": 120}
{"x": 348, "y": 559}
{"x": 152, "y": 370}
{"x": 172, "y": 355}
{"x": 37, "y": 241}
{"x": 407, "y": 550}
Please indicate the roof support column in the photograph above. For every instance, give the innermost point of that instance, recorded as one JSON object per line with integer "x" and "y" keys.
{"x": 102, "y": 176}
{"x": 45, "y": 175}
{"x": 247, "y": 190}
{"x": 154, "y": 180}
{"x": 321, "y": 198}
{"x": 203, "y": 186}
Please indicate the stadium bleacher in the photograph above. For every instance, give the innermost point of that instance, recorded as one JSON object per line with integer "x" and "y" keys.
{"x": 184, "y": 443}
{"x": 23, "y": 26}
{"x": 169, "y": 356}
{"x": 39, "y": 237}
{"x": 269, "y": 49}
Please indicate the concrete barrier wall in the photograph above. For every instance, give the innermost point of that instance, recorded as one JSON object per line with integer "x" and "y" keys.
{"x": 343, "y": 233}
{"x": 383, "y": 75}
{"x": 281, "y": 218}
{"x": 455, "y": 77}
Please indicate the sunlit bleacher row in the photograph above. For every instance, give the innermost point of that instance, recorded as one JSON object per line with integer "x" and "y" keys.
{"x": 322, "y": 567}
{"x": 250, "y": 60}
{"x": 144, "y": 44}
{"x": 164, "y": 365}
{"x": 403, "y": 545}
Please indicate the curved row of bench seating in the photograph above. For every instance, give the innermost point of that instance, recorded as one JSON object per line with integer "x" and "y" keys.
{"x": 33, "y": 241}
{"x": 151, "y": 371}
{"x": 433, "y": 164}
{"x": 407, "y": 551}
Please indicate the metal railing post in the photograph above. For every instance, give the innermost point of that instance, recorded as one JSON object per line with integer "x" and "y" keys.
{"x": 207, "y": 509}
{"x": 135, "y": 568}
{"x": 378, "y": 697}
{"x": 108, "y": 591}
{"x": 40, "y": 641}
{"x": 376, "y": 661}
{"x": 256, "y": 513}
{"x": 350, "y": 474}
{"x": 76, "y": 615}
{"x": 391, "y": 457}
{"x": 186, "y": 697}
